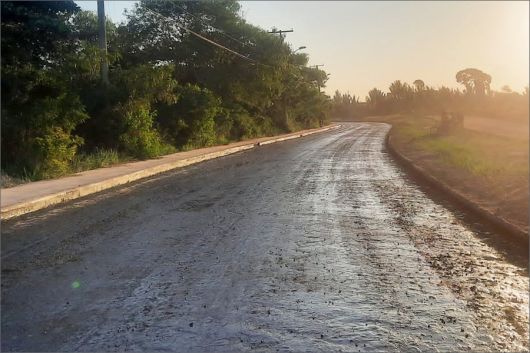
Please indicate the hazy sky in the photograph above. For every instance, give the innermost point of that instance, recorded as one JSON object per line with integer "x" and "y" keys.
{"x": 370, "y": 44}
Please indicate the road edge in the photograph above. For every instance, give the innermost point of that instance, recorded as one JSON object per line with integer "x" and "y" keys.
{"x": 453, "y": 194}
{"x": 21, "y": 208}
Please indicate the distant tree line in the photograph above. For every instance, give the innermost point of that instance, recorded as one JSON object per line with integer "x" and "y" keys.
{"x": 476, "y": 98}
{"x": 169, "y": 90}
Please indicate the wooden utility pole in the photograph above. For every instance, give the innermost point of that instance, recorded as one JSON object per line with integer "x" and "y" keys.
{"x": 102, "y": 42}
{"x": 280, "y": 32}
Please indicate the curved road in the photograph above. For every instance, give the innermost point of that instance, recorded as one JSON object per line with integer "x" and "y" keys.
{"x": 317, "y": 244}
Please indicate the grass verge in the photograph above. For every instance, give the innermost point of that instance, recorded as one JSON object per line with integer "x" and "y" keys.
{"x": 490, "y": 170}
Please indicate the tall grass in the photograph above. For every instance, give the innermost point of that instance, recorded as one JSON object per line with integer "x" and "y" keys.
{"x": 7, "y": 181}
{"x": 98, "y": 159}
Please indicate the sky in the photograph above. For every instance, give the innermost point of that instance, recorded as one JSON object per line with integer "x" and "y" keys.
{"x": 370, "y": 44}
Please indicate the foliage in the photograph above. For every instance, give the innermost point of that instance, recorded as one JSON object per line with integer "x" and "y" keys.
{"x": 97, "y": 159}
{"x": 190, "y": 121}
{"x": 37, "y": 123}
{"x": 169, "y": 89}
{"x": 53, "y": 152}
{"x": 34, "y": 32}
{"x": 139, "y": 138}
{"x": 477, "y": 99}
{"x": 475, "y": 81}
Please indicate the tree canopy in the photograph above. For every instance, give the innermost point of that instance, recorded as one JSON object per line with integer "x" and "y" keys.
{"x": 475, "y": 81}
{"x": 183, "y": 75}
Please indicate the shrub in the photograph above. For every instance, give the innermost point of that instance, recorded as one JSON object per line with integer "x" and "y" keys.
{"x": 54, "y": 151}
{"x": 140, "y": 138}
{"x": 190, "y": 122}
{"x": 42, "y": 111}
{"x": 245, "y": 127}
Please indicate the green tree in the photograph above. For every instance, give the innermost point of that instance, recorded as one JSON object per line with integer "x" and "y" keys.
{"x": 168, "y": 85}
{"x": 35, "y": 32}
{"x": 39, "y": 108}
{"x": 475, "y": 81}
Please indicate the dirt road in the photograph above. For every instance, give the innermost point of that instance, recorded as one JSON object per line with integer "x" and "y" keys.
{"x": 318, "y": 244}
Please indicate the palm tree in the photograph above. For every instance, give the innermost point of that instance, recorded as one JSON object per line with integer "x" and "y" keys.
{"x": 376, "y": 100}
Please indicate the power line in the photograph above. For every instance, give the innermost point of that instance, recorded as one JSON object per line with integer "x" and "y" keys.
{"x": 230, "y": 50}
{"x": 219, "y": 45}
{"x": 220, "y": 31}
{"x": 206, "y": 39}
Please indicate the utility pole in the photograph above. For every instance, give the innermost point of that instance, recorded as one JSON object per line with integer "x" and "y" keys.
{"x": 280, "y": 32}
{"x": 102, "y": 42}
{"x": 316, "y": 67}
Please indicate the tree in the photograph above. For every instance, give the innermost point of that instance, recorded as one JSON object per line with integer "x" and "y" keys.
{"x": 401, "y": 94}
{"x": 168, "y": 86}
{"x": 475, "y": 81}
{"x": 40, "y": 110}
{"x": 264, "y": 90}
{"x": 419, "y": 84}
{"x": 33, "y": 32}
{"x": 346, "y": 106}
{"x": 377, "y": 101}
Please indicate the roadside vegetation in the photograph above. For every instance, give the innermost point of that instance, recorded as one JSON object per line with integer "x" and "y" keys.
{"x": 168, "y": 91}
{"x": 489, "y": 169}
{"x": 476, "y": 99}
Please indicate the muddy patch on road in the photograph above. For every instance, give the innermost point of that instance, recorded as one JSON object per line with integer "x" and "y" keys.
{"x": 493, "y": 285}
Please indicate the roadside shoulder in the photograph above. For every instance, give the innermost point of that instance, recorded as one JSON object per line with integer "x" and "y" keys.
{"x": 454, "y": 194}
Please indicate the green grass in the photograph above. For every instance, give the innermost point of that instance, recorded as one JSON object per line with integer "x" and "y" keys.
{"x": 461, "y": 154}
{"x": 477, "y": 153}
{"x": 98, "y": 159}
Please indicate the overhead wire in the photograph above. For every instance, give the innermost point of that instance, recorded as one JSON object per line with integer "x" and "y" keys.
{"x": 252, "y": 61}
{"x": 206, "y": 39}
{"x": 220, "y": 31}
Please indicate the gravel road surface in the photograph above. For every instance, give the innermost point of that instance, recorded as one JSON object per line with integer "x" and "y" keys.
{"x": 318, "y": 244}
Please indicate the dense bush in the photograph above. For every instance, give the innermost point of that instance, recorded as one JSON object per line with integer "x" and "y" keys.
{"x": 190, "y": 121}
{"x": 38, "y": 119}
{"x": 139, "y": 138}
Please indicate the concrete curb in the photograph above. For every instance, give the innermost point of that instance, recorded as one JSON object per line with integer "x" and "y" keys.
{"x": 36, "y": 204}
{"x": 456, "y": 196}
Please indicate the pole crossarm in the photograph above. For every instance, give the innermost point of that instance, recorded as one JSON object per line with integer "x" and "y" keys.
{"x": 280, "y": 32}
